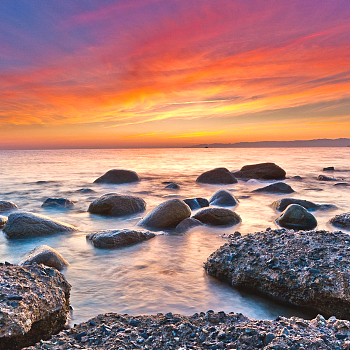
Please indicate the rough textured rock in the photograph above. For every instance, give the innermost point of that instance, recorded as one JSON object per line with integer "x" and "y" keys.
{"x": 172, "y": 186}
{"x": 264, "y": 171}
{"x": 223, "y": 198}
{"x": 118, "y": 176}
{"x": 341, "y": 220}
{"x": 57, "y": 203}
{"x": 217, "y": 176}
{"x": 304, "y": 268}
{"x": 326, "y": 178}
{"x": 118, "y": 238}
{"x": 166, "y": 215}
{"x": 329, "y": 168}
{"x": 202, "y": 331}
{"x": 218, "y": 217}
{"x": 27, "y": 225}
{"x": 297, "y": 217}
{"x": 43, "y": 254}
{"x": 3, "y": 220}
{"x": 187, "y": 224}
{"x": 7, "y": 206}
{"x": 196, "y": 203}
{"x": 283, "y": 203}
{"x": 34, "y": 304}
{"x": 278, "y": 187}
{"x": 113, "y": 204}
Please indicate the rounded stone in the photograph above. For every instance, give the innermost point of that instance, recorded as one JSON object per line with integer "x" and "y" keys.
{"x": 223, "y": 198}
{"x": 297, "y": 217}
{"x": 57, "y": 203}
{"x": 7, "y": 206}
{"x": 196, "y": 203}
{"x": 217, "y": 176}
{"x": 187, "y": 224}
{"x": 283, "y": 203}
{"x": 172, "y": 186}
{"x": 264, "y": 171}
{"x": 326, "y": 178}
{"x": 278, "y": 187}
{"x": 218, "y": 217}
{"x": 341, "y": 220}
{"x": 3, "y": 220}
{"x": 118, "y": 176}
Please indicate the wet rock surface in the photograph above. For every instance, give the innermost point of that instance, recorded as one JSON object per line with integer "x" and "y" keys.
{"x": 196, "y": 203}
{"x": 223, "y": 198}
{"x": 7, "y": 206}
{"x": 34, "y": 304}
{"x": 113, "y": 204}
{"x": 297, "y": 217}
{"x": 341, "y": 220}
{"x": 57, "y": 203}
{"x": 202, "y": 331}
{"x": 27, "y": 225}
{"x": 218, "y": 217}
{"x": 187, "y": 224}
{"x": 283, "y": 203}
{"x": 278, "y": 187}
{"x": 326, "y": 178}
{"x": 43, "y": 254}
{"x": 263, "y": 171}
{"x": 118, "y": 176}
{"x": 3, "y": 220}
{"x": 118, "y": 238}
{"x": 303, "y": 268}
{"x": 217, "y": 176}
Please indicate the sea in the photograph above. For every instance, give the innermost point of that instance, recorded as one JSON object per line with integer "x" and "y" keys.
{"x": 164, "y": 274}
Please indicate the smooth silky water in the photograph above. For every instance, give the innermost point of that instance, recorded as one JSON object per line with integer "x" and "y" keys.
{"x": 165, "y": 273}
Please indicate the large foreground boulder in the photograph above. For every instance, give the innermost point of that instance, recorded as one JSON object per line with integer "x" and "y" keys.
{"x": 305, "y": 268}
{"x": 217, "y": 176}
{"x": 283, "y": 203}
{"x": 297, "y": 217}
{"x": 113, "y": 204}
{"x": 218, "y": 217}
{"x": 223, "y": 198}
{"x": 341, "y": 220}
{"x": 118, "y": 238}
{"x": 63, "y": 203}
{"x": 34, "y": 304}
{"x": 118, "y": 176}
{"x": 166, "y": 215}
{"x": 7, "y": 206}
{"x": 263, "y": 171}
{"x": 43, "y": 254}
{"x": 196, "y": 203}
{"x": 278, "y": 187}
{"x": 27, "y": 225}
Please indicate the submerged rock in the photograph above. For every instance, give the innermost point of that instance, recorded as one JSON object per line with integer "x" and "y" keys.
{"x": 118, "y": 238}
{"x": 34, "y": 304}
{"x": 326, "y": 178}
{"x": 345, "y": 184}
{"x": 166, "y": 215}
{"x": 278, "y": 187}
{"x": 7, "y": 206}
{"x": 187, "y": 224}
{"x": 264, "y": 171}
{"x": 218, "y": 217}
{"x": 118, "y": 176}
{"x": 329, "y": 168}
{"x": 217, "y": 176}
{"x": 57, "y": 203}
{"x": 172, "y": 186}
{"x": 113, "y": 204}
{"x": 223, "y": 198}
{"x": 85, "y": 190}
{"x": 283, "y": 203}
{"x": 341, "y": 220}
{"x": 297, "y": 217}
{"x": 196, "y": 203}
{"x": 43, "y": 254}
{"x": 304, "y": 268}
{"x": 27, "y": 225}
{"x": 3, "y": 220}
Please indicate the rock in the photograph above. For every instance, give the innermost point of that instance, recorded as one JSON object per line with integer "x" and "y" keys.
{"x": 278, "y": 187}
{"x": 118, "y": 176}
{"x": 173, "y": 186}
{"x": 85, "y": 190}
{"x": 3, "y": 220}
{"x": 28, "y": 225}
{"x": 341, "y": 220}
{"x": 297, "y": 217}
{"x": 57, "y": 203}
{"x": 309, "y": 269}
{"x": 46, "y": 255}
{"x": 118, "y": 238}
{"x": 196, "y": 203}
{"x": 217, "y": 217}
{"x": 217, "y": 176}
{"x": 223, "y": 198}
{"x": 113, "y": 204}
{"x": 187, "y": 224}
{"x": 345, "y": 184}
{"x": 34, "y": 304}
{"x": 264, "y": 171}
{"x": 297, "y": 177}
{"x": 166, "y": 215}
{"x": 7, "y": 206}
{"x": 326, "y": 178}
{"x": 329, "y": 168}
{"x": 283, "y": 203}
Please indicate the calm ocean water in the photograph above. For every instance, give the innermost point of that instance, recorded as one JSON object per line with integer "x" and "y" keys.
{"x": 166, "y": 273}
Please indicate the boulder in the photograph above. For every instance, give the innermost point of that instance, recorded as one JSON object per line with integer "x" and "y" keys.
{"x": 223, "y": 198}
{"x": 329, "y": 168}
{"x": 278, "y": 187}
{"x": 113, "y": 204}
{"x": 57, "y": 203}
{"x": 166, "y": 215}
{"x": 283, "y": 203}
{"x": 118, "y": 176}
{"x": 217, "y": 176}
{"x": 187, "y": 224}
{"x": 341, "y": 220}
{"x": 172, "y": 186}
{"x": 43, "y": 254}
{"x": 3, "y": 220}
{"x": 217, "y": 217}
{"x": 34, "y": 304}
{"x": 326, "y": 178}
{"x": 196, "y": 203}
{"x": 264, "y": 171}
{"x": 297, "y": 217}
{"x": 28, "y": 225}
{"x": 118, "y": 238}
{"x": 7, "y": 206}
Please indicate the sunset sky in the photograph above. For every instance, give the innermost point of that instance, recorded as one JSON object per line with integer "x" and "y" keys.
{"x": 142, "y": 73}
